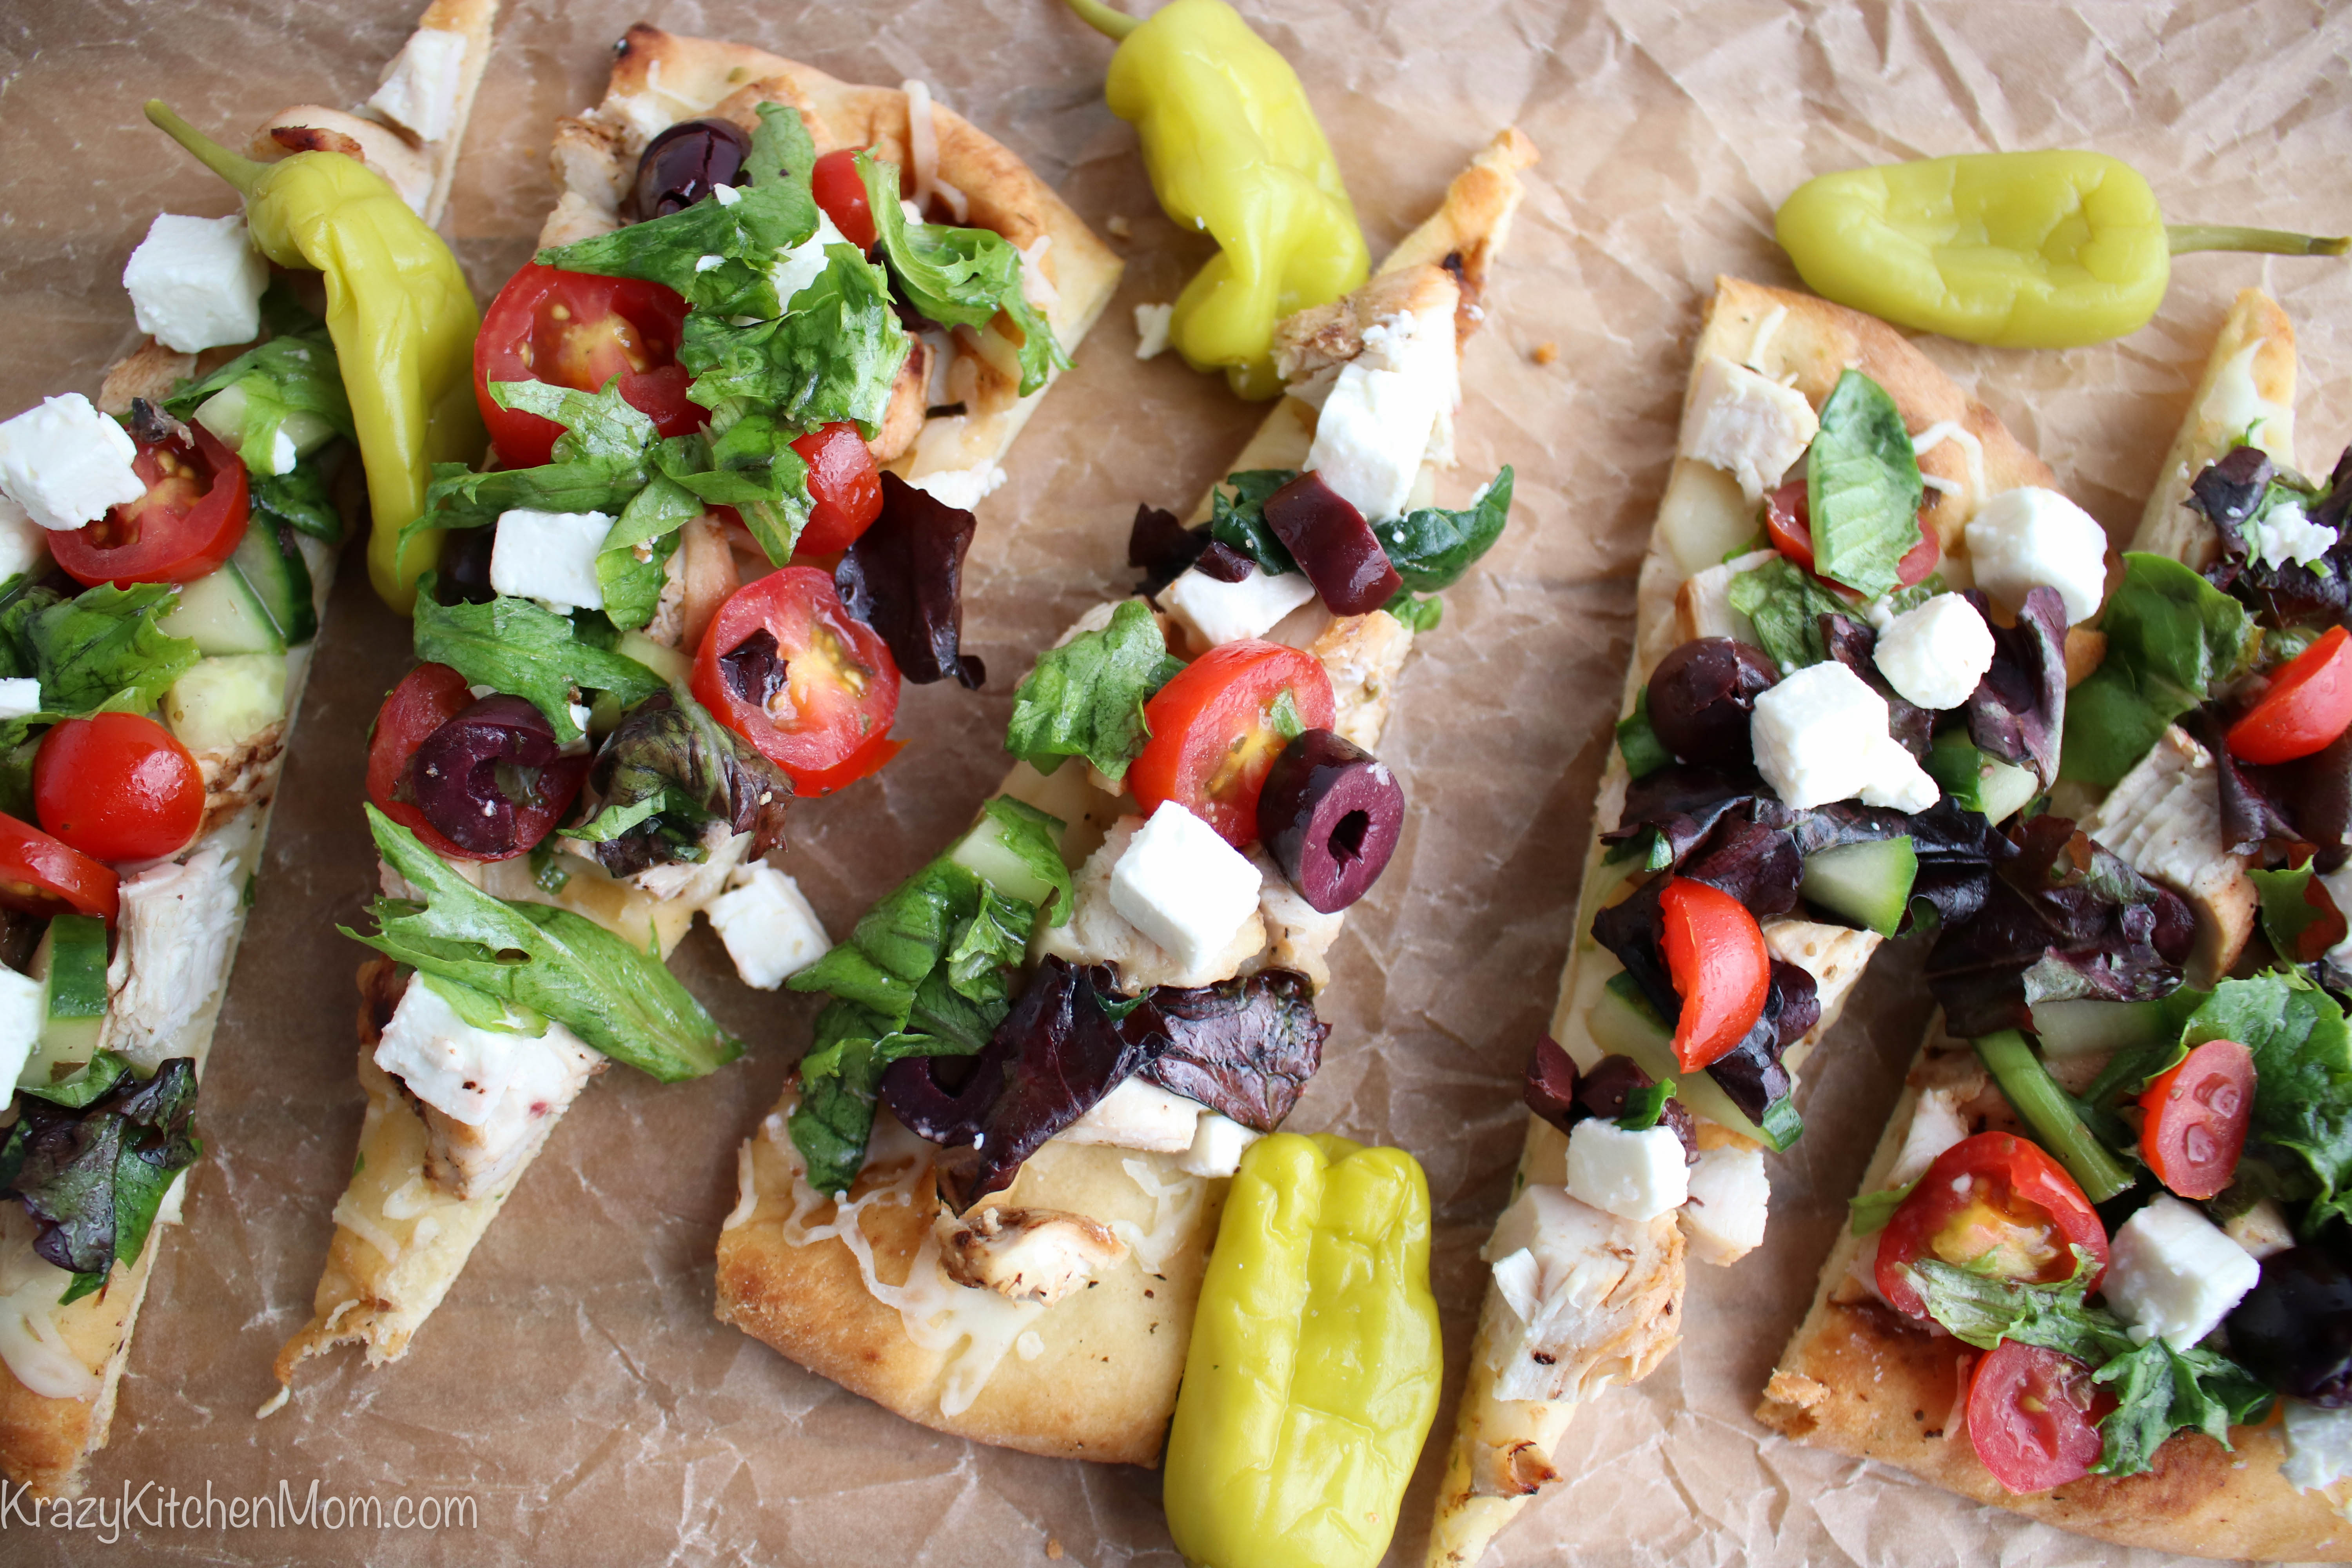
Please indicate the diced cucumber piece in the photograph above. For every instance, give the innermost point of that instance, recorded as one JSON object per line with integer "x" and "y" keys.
{"x": 221, "y": 703}
{"x": 984, "y": 854}
{"x": 1622, "y": 1023}
{"x": 1868, "y": 883}
{"x": 223, "y": 616}
{"x": 1982, "y": 784}
{"x": 274, "y": 569}
{"x": 667, "y": 662}
{"x": 71, "y": 963}
{"x": 299, "y": 434}
{"x": 2084, "y": 1027}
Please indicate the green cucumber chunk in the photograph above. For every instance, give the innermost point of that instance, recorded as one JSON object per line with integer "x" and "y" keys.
{"x": 221, "y": 703}
{"x": 984, "y": 854}
{"x": 1998, "y": 790}
{"x": 273, "y": 567}
{"x": 1622, "y": 1023}
{"x": 1867, "y": 883}
{"x": 71, "y": 963}
{"x": 223, "y": 614}
{"x": 2085, "y": 1027}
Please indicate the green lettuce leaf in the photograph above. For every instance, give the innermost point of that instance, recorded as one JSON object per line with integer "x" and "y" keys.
{"x": 518, "y": 647}
{"x": 623, "y": 1002}
{"x": 2173, "y": 639}
{"x": 1431, "y": 547}
{"x": 1085, "y": 698}
{"x": 753, "y": 469}
{"x": 832, "y": 356}
{"x": 1034, "y": 837}
{"x": 1787, "y": 604}
{"x": 994, "y": 941}
{"x": 1867, "y": 1213}
{"x": 1637, "y": 740}
{"x": 1862, "y": 487}
{"x": 719, "y": 255}
{"x": 1421, "y": 615}
{"x": 102, "y": 650}
{"x": 898, "y": 942}
{"x": 841, "y": 1077}
{"x": 600, "y": 462}
{"x": 287, "y": 375}
{"x": 1237, "y": 519}
{"x": 300, "y": 500}
{"x": 630, "y": 582}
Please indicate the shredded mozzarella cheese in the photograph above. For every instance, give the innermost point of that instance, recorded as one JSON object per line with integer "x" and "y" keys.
{"x": 923, "y": 146}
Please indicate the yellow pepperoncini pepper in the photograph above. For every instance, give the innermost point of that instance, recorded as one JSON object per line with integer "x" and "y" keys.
{"x": 1313, "y": 1372}
{"x": 1233, "y": 149}
{"x": 402, "y": 319}
{"x": 2039, "y": 250}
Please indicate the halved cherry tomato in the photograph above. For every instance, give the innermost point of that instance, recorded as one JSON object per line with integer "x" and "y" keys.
{"x": 1214, "y": 736}
{"x": 117, "y": 786}
{"x": 2309, "y": 703}
{"x": 845, "y": 485}
{"x": 2193, "y": 1126}
{"x": 191, "y": 518}
{"x": 1993, "y": 1199}
{"x": 841, "y": 195}
{"x": 1720, "y": 967}
{"x": 2034, "y": 1416}
{"x": 785, "y": 666}
{"x": 580, "y": 331}
{"x": 430, "y": 696}
{"x": 1787, "y": 524}
{"x": 44, "y": 877}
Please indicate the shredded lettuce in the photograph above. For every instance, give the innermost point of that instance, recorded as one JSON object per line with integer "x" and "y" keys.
{"x": 1787, "y": 604}
{"x": 832, "y": 356}
{"x": 1085, "y": 698}
{"x": 518, "y": 647}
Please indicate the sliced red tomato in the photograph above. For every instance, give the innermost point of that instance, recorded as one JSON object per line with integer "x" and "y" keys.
{"x": 1216, "y": 730}
{"x": 42, "y": 875}
{"x": 117, "y": 786}
{"x": 785, "y": 666}
{"x": 1991, "y": 1201}
{"x": 2034, "y": 1416}
{"x": 191, "y": 518}
{"x": 2308, "y": 704}
{"x": 2194, "y": 1117}
{"x": 430, "y": 696}
{"x": 1787, "y": 524}
{"x": 841, "y": 195}
{"x": 845, "y": 485}
{"x": 1720, "y": 966}
{"x": 580, "y": 331}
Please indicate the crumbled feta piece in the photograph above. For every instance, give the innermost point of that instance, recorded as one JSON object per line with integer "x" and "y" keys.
{"x": 196, "y": 282}
{"x": 1748, "y": 425}
{"x": 24, "y": 543}
{"x": 770, "y": 928}
{"x": 19, "y": 697}
{"x": 962, "y": 489}
{"x": 66, "y": 463}
{"x": 2173, "y": 1275}
{"x": 2284, "y": 533}
{"x": 550, "y": 556}
{"x": 1218, "y": 612}
{"x": 1722, "y": 1220}
{"x": 725, "y": 195}
{"x": 711, "y": 263}
{"x": 2318, "y": 1446}
{"x": 2261, "y": 1231}
{"x": 1634, "y": 1175}
{"x": 2031, "y": 537}
{"x": 24, "y": 1005}
{"x": 421, "y": 85}
{"x": 1182, "y": 885}
{"x": 1378, "y": 422}
{"x": 1935, "y": 654}
{"x": 1138, "y": 1114}
{"x": 1218, "y": 1143}
{"x": 799, "y": 266}
{"x": 1820, "y": 735}
{"x": 1152, "y": 323}
{"x": 469, "y": 1074}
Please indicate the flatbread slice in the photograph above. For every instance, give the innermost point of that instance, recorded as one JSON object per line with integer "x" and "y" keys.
{"x": 1615, "y": 1321}
{"x": 852, "y": 1291}
{"x": 1859, "y": 1379}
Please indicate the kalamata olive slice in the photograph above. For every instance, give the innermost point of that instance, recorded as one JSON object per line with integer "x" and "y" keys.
{"x": 1614, "y": 1081}
{"x": 679, "y": 166}
{"x": 1701, "y": 695}
{"x": 944, "y": 1098}
{"x": 1333, "y": 545}
{"x": 754, "y": 668}
{"x": 466, "y": 567}
{"x": 471, "y": 775}
{"x": 2293, "y": 1330}
{"x": 1550, "y": 1089}
{"x": 1330, "y": 814}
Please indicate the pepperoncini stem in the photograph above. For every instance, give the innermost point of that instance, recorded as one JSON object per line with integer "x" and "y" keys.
{"x": 243, "y": 173}
{"x": 2183, "y": 238}
{"x": 1110, "y": 23}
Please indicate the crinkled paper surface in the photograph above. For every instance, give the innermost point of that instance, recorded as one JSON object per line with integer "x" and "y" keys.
{"x": 574, "y": 1383}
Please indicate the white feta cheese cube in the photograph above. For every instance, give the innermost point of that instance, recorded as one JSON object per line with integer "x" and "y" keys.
{"x": 196, "y": 282}
{"x": 1722, "y": 1220}
{"x": 1935, "y": 654}
{"x": 19, "y": 697}
{"x": 770, "y": 928}
{"x": 2031, "y": 537}
{"x": 1634, "y": 1175}
{"x": 2174, "y": 1276}
{"x": 1151, "y": 324}
{"x": 550, "y": 556}
{"x": 1820, "y": 735}
{"x": 1382, "y": 412}
{"x": 799, "y": 266}
{"x": 421, "y": 85}
{"x": 2284, "y": 533}
{"x": 2318, "y": 1446}
{"x": 470, "y": 1074}
{"x": 962, "y": 489}
{"x": 1748, "y": 425}
{"x": 1218, "y": 1143}
{"x": 23, "y": 1007}
{"x": 1182, "y": 885}
{"x": 24, "y": 543}
{"x": 1138, "y": 1114}
{"x": 66, "y": 463}
{"x": 1218, "y": 612}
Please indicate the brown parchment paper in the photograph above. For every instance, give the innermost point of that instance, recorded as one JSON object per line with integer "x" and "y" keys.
{"x": 574, "y": 1384}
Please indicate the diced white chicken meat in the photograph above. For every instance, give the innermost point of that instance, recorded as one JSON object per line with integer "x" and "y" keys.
{"x": 1834, "y": 955}
{"x": 1026, "y": 1255}
{"x": 1731, "y": 1195}
{"x": 1938, "y": 1122}
{"x": 1592, "y": 1299}
{"x": 1703, "y": 603}
{"x": 1139, "y": 1114}
{"x": 1308, "y": 342}
{"x": 1362, "y": 655}
{"x": 473, "y": 1162}
{"x": 2164, "y": 819}
{"x": 170, "y": 954}
{"x": 1748, "y": 424}
{"x": 1298, "y": 935}
{"x": 1095, "y": 933}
